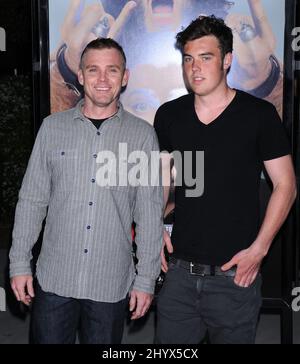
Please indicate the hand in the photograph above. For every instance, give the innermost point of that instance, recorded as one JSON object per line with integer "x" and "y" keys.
{"x": 254, "y": 43}
{"x": 139, "y": 303}
{"x": 248, "y": 263}
{"x": 23, "y": 288}
{"x": 168, "y": 244}
{"x": 77, "y": 31}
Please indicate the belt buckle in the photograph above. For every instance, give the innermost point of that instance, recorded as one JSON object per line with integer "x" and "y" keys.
{"x": 193, "y": 273}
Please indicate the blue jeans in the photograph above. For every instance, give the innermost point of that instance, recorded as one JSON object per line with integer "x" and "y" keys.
{"x": 56, "y": 320}
{"x": 190, "y": 306}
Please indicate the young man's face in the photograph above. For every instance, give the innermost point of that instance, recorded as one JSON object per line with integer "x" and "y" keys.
{"x": 203, "y": 67}
{"x": 103, "y": 76}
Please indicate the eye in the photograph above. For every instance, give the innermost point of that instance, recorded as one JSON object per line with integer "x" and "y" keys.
{"x": 113, "y": 70}
{"x": 187, "y": 59}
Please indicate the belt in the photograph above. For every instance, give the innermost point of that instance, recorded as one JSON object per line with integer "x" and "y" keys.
{"x": 202, "y": 269}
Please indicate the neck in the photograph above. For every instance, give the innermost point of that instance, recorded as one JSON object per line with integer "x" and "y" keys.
{"x": 219, "y": 98}
{"x": 98, "y": 112}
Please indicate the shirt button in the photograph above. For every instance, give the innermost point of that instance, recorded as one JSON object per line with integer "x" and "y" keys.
{"x": 95, "y": 155}
{"x": 88, "y": 227}
{"x": 98, "y": 133}
{"x": 93, "y": 180}
{"x": 91, "y": 203}
{"x": 63, "y": 153}
{"x": 86, "y": 251}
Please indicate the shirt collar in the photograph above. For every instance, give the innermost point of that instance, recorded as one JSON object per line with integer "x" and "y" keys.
{"x": 79, "y": 115}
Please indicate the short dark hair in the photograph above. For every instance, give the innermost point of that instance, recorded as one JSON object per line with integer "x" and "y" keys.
{"x": 103, "y": 43}
{"x": 203, "y": 26}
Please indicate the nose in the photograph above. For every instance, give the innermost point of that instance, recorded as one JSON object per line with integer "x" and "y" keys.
{"x": 102, "y": 76}
{"x": 196, "y": 65}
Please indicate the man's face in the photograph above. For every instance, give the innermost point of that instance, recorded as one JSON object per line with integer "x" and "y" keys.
{"x": 203, "y": 67}
{"x": 162, "y": 14}
{"x": 103, "y": 76}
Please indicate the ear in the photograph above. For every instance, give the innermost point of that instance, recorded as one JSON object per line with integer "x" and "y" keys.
{"x": 80, "y": 76}
{"x": 227, "y": 61}
{"x": 125, "y": 78}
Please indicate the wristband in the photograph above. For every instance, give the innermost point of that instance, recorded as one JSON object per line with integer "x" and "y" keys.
{"x": 69, "y": 77}
{"x": 268, "y": 85}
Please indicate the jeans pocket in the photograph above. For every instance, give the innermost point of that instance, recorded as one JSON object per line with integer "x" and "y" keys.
{"x": 245, "y": 288}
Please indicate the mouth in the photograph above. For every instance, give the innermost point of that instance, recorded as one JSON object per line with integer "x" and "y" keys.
{"x": 162, "y": 7}
{"x": 102, "y": 89}
{"x": 162, "y": 12}
{"x": 198, "y": 79}
{"x": 162, "y": 15}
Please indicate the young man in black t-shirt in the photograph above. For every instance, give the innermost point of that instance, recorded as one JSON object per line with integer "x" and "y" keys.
{"x": 217, "y": 247}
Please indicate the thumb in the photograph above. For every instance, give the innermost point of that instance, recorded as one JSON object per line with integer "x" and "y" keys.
{"x": 228, "y": 265}
{"x": 168, "y": 243}
{"x": 30, "y": 288}
{"x": 132, "y": 302}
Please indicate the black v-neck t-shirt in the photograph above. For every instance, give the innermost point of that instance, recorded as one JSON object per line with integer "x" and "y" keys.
{"x": 212, "y": 228}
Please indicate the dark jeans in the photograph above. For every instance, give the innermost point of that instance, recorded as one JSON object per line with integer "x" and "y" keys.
{"x": 189, "y": 306}
{"x": 56, "y": 319}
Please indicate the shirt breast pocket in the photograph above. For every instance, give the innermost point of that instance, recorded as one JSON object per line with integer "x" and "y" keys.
{"x": 64, "y": 166}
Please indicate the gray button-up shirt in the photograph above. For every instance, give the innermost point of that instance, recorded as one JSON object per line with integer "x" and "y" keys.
{"x": 87, "y": 245}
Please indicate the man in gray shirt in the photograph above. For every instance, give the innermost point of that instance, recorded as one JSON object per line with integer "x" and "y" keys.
{"x": 85, "y": 270}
